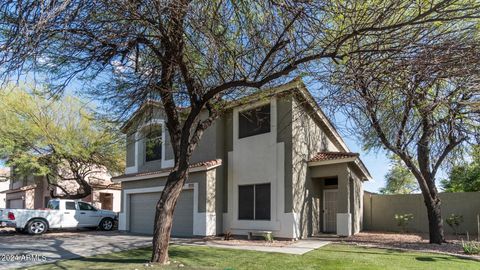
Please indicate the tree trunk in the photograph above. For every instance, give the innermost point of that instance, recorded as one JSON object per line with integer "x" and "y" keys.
{"x": 164, "y": 215}
{"x": 435, "y": 222}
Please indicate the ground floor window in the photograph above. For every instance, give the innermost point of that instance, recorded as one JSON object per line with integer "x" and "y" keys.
{"x": 254, "y": 202}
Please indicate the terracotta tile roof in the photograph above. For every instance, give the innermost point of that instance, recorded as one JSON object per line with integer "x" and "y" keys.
{"x": 320, "y": 156}
{"x": 208, "y": 164}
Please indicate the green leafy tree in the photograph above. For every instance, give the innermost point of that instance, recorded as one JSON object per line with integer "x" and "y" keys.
{"x": 399, "y": 179}
{"x": 57, "y": 138}
{"x": 465, "y": 177}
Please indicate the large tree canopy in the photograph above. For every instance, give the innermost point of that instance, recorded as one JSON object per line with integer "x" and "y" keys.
{"x": 418, "y": 103}
{"x": 198, "y": 53}
{"x": 59, "y": 139}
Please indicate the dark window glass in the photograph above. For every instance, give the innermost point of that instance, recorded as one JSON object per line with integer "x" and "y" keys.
{"x": 85, "y": 206}
{"x": 70, "y": 206}
{"x": 254, "y": 122}
{"x": 130, "y": 150}
{"x": 245, "y": 202}
{"x": 331, "y": 182}
{"x": 153, "y": 145}
{"x": 254, "y": 202}
{"x": 54, "y": 205}
{"x": 262, "y": 202}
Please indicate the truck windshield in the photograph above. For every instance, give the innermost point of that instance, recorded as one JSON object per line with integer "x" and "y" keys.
{"x": 54, "y": 205}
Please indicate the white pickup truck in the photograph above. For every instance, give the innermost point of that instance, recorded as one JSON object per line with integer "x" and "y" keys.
{"x": 59, "y": 214}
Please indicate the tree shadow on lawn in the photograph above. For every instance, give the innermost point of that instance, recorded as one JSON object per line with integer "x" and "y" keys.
{"x": 128, "y": 257}
{"x": 428, "y": 257}
{"x": 198, "y": 256}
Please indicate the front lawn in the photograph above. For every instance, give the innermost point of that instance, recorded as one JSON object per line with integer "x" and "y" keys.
{"x": 334, "y": 256}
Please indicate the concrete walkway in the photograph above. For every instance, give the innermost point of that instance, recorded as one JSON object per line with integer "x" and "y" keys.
{"x": 300, "y": 247}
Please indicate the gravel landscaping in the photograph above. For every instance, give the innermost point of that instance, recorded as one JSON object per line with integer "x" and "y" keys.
{"x": 245, "y": 242}
{"x": 408, "y": 241}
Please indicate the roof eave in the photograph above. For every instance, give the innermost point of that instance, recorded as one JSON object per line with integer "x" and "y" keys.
{"x": 160, "y": 174}
{"x": 331, "y": 161}
{"x": 128, "y": 123}
{"x": 363, "y": 169}
{"x": 355, "y": 160}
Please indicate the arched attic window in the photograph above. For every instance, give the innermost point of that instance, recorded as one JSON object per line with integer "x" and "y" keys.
{"x": 153, "y": 142}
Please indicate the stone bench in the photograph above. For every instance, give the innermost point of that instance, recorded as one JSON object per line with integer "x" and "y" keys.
{"x": 266, "y": 234}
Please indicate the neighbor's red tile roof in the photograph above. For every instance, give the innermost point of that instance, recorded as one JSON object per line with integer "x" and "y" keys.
{"x": 320, "y": 156}
{"x": 208, "y": 163}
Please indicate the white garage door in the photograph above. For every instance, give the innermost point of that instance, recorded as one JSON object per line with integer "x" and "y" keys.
{"x": 142, "y": 213}
{"x": 15, "y": 204}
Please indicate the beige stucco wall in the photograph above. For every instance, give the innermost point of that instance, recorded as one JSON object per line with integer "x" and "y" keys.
{"x": 4, "y": 185}
{"x": 356, "y": 202}
{"x": 29, "y": 202}
{"x": 308, "y": 138}
{"x": 379, "y": 211}
{"x": 117, "y": 195}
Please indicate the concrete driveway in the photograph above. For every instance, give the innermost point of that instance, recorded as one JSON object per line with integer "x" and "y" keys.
{"x": 19, "y": 250}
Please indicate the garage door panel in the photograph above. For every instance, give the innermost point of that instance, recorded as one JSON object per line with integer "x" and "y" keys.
{"x": 15, "y": 204}
{"x": 142, "y": 213}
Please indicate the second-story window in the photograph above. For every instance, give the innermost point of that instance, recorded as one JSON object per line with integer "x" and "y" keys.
{"x": 254, "y": 121}
{"x": 153, "y": 143}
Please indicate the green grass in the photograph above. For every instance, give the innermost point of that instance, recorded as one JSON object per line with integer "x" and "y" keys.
{"x": 329, "y": 257}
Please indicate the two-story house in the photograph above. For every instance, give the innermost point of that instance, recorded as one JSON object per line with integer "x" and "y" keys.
{"x": 276, "y": 164}
{"x": 33, "y": 192}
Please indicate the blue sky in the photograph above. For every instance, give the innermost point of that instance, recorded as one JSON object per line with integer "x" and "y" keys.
{"x": 377, "y": 163}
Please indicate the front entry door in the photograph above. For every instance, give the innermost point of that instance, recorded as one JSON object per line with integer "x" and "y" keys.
{"x": 330, "y": 210}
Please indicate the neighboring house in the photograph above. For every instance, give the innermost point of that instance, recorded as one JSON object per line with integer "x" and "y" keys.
{"x": 283, "y": 168}
{"x": 32, "y": 192}
{"x": 4, "y": 185}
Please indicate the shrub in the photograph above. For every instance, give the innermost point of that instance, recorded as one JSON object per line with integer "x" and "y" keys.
{"x": 454, "y": 222}
{"x": 403, "y": 220}
{"x": 471, "y": 247}
{"x": 228, "y": 236}
{"x": 268, "y": 237}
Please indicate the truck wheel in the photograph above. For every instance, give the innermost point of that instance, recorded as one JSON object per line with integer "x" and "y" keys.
{"x": 106, "y": 224}
{"x": 37, "y": 226}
